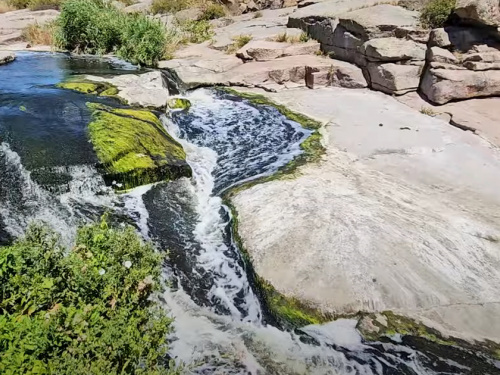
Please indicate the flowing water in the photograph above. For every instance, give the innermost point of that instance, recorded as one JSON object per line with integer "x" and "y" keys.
{"x": 47, "y": 173}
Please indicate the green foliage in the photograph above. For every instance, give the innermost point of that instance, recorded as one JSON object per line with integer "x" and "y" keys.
{"x": 142, "y": 40}
{"x": 83, "y": 311}
{"x": 212, "y": 11}
{"x": 96, "y": 27}
{"x": 168, "y": 6}
{"x": 436, "y": 13}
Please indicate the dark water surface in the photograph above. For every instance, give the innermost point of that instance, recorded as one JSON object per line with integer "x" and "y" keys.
{"x": 47, "y": 172}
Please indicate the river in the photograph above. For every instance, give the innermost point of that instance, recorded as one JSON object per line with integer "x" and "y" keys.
{"x": 47, "y": 173}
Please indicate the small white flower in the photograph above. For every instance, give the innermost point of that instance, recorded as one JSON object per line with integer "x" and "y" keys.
{"x": 127, "y": 264}
{"x": 102, "y": 272}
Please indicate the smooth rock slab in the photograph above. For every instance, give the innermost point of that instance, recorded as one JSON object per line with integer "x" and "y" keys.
{"x": 402, "y": 214}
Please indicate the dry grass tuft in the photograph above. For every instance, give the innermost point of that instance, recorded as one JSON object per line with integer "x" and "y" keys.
{"x": 238, "y": 42}
{"x": 285, "y": 38}
{"x": 37, "y": 34}
{"x": 5, "y": 7}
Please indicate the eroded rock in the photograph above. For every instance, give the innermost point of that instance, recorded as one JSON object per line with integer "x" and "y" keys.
{"x": 444, "y": 85}
{"x": 485, "y": 12}
{"x": 6, "y": 57}
{"x": 393, "y": 49}
{"x": 394, "y": 78}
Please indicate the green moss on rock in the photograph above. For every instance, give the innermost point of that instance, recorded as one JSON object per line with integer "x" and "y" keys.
{"x": 133, "y": 147}
{"x": 89, "y": 87}
{"x": 179, "y": 103}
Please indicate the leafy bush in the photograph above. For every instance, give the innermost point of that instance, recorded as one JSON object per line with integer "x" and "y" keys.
{"x": 212, "y": 11}
{"x": 97, "y": 27}
{"x": 436, "y": 13}
{"x": 83, "y": 311}
{"x": 168, "y": 6}
{"x": 142, "y": 40}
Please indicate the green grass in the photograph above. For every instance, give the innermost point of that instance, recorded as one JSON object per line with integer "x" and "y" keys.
{"x": 95, "y": 27}
{"x": 436, "y": 13}
{"x": 85, "y": 310}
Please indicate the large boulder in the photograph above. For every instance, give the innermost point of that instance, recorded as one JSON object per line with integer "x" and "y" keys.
{"x": 6, "y": 57}
{"x": 393, "y": 49}
{"x": 134, "y": 148}
{"x": 444, "y": 85}
{"x": 484, "y": 12}
{"x": 394, "y": 78}
{"x": 378, "y": 21}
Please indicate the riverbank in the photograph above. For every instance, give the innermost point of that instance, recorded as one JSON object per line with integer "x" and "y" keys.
{"x": 400, "y": 214}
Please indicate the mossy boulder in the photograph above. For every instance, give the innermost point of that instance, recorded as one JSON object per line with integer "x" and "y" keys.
{"x": 89, "y": 87}
{"x": 179, "y": 103}
{"x": 134, "y": 148}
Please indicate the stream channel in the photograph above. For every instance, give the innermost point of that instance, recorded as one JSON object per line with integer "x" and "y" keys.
{"x": 47, "y": 173}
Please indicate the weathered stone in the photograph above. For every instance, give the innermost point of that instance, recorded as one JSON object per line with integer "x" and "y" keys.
{"x": 378, "y": 21}
{"x": 439, "y": 38}
{"x": 473, "y": 65}
{"x": 145, "y": 90}
{"x": 6, "y": 57}
{"x": 485, "y": 12}
{"x": 436, "y": 54}
{"x": 490, "y": 56}
{"x": 412, "y": 33}
{"x": 308, "y": 48}
{"x": 442, "y": 65}
{"x": 393, "y": 78}
{"x": 338, "y": 74}
{"x": 393, "y": 49}
{"x": 444, "y": 85}
{"x": 262, "y": 50}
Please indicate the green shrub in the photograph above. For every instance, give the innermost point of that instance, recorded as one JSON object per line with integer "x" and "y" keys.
{"x": 168, "y": 6}
{"x": 97, "y": 28}
{"x": 89, "y": 26}
{"x": 83, "y": 311}
{"x": 212, "y": 11}
{"x": 142, "y": 40}
{"x": 436, "y": 12}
